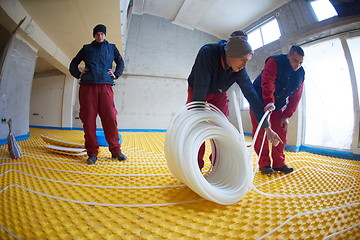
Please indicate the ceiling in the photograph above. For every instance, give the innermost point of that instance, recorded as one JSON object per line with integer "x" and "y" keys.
{"x": 217, "y": 17}
{"x": 69, "y": 23}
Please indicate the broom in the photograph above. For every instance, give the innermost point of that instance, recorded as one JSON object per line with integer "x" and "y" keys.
{"x": 13, "y": 147}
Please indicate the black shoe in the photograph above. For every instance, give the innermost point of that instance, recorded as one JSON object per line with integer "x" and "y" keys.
{"x": 91, "y": 160}
{"x": 267, "y": 170}
{"x": 119, "y": 156}
{"x": 285, "y": 169}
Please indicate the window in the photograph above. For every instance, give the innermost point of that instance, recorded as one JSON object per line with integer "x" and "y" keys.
{"x": 329, "y": 107}
{"x": 323, "y": 9}
{"x": 354, "y": 47}
{"x": 264, "y": 34}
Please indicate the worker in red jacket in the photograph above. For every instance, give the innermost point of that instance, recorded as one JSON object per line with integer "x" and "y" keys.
{"x": 280, "y": 87}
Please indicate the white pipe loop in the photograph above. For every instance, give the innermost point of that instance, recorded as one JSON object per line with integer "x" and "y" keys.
{"x": 231, "y": 176}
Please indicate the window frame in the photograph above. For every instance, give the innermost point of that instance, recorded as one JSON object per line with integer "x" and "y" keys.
{"x": 314, "y": 12}
{"x": 260, "y": 26}
{"x": 355, "y": 146}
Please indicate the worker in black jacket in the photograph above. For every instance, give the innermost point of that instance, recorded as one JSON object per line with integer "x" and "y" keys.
{"x": 96, "y": 95}
{"x": 217, "y": 67}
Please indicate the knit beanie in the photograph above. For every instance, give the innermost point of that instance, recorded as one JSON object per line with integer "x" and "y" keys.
{"x": 237, "y": 46}
{"x": 99, "y": 28}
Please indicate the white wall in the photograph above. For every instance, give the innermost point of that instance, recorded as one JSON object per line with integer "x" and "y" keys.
{"x": 47, "y": 100}
{"x": 148, "y": 102}
{"x": 157, "y": 47}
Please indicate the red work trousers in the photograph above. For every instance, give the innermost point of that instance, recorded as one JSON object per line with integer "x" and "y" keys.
{"x": 98, "y": 99}
{"x": 277, "y": 153}
{"x": 219, "y": 100}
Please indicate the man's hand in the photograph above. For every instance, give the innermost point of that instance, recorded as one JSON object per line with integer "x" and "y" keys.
{"x": 284, "y": 123}
{"x": 86, "y": 69}
{"x": 273, "y": 137}
{"x": 269, "y": 107}
{"x": 111, "y": 73}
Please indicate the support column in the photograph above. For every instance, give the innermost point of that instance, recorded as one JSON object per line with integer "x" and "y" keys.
{"x": 68, "y": 102}
{"x": 16, "y": 76}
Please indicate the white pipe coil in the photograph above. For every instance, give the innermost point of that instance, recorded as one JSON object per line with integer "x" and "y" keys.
{"x": 231, "y": 177}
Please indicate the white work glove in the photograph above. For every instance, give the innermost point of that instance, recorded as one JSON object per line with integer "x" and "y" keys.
{"x": 269, "y": 107}
{"x": 273, "y": 137}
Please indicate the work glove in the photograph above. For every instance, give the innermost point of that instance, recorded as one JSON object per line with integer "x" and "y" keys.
{"x": 269, "y": 107}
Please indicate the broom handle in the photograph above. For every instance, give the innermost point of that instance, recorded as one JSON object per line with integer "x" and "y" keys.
{"x": 10, "y": 124}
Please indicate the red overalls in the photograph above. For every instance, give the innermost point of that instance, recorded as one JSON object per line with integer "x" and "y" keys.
{"x": 277, "y": 153}
{"x": 268, "y": 83}
{"x": 98, "y": 99}
{"x": 219, "y": 100}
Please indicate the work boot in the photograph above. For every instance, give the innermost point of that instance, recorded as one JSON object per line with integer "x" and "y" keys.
{"x": 119, "y": 156}
{"x": 285, "y": 169}
{"x": 91, "y": 160}
{"x": 267, "y": 170}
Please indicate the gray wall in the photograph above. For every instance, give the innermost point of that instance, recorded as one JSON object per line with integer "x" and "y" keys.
{"x": 17, "y": 71}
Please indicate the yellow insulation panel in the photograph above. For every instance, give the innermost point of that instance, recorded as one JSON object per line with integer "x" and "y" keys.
{"x": 45, "y": 195}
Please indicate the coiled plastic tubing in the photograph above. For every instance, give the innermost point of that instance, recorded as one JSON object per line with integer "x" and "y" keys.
{"x": 231, "y": 175}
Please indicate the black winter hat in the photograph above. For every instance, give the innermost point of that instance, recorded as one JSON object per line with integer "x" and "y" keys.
{"x": 99, "y": 28}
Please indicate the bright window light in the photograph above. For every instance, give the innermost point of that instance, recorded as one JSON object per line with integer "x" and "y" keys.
{"x": 323, "y": 9}
{"x": 264, "y": 34}
{"x": 354, "y": 46}
{"x": 270, "y": 31}
{"x": 255, "y": 39}
{"x": 326, "y": 92}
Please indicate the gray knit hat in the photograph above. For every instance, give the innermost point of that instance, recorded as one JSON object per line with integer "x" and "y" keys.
{"x": 237, "y": 46}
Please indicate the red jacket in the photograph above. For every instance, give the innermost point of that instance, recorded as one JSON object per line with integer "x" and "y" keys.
{"x": 283, "y": 87}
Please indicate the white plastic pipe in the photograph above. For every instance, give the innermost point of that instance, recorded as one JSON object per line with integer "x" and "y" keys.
{"x": 231, "y": 176}
{"x": 238, "y": 117}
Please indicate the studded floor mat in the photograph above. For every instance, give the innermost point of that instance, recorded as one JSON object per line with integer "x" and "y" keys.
{"x": 46, "y": 195}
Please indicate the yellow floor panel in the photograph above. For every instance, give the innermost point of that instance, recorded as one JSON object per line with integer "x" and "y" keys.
{"x": 46, "y": 195}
